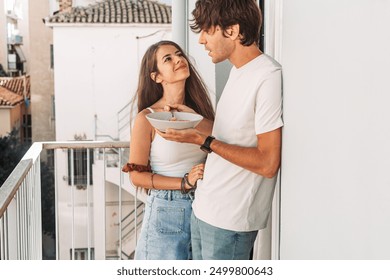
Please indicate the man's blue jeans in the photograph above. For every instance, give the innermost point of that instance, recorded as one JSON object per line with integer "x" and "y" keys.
{"x": 212, "y": 243}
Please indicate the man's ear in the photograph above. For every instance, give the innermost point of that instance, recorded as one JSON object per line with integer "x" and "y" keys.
{"x": 233, "y": 31}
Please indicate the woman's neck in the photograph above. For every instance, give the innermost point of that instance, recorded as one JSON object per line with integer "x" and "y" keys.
{"x": 173, "y": 94}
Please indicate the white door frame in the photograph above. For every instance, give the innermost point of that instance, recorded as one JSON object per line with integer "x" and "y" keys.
{"x": 273, "y": 46}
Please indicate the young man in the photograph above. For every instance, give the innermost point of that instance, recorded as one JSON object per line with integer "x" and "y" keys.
{"x": 233, "y": 200}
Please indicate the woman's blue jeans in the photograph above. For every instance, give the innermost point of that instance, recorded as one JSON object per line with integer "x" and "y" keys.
{"x": 165, "y": 233}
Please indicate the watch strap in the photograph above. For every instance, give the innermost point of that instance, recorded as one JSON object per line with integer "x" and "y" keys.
{"x": 206, "y": 145}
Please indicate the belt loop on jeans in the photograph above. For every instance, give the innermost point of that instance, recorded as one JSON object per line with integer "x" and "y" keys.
{"x": 169, "y": 195}
{"x": 191, "y": 194}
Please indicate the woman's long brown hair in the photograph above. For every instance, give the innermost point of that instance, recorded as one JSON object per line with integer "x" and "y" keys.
{"x": 149, "y": 92}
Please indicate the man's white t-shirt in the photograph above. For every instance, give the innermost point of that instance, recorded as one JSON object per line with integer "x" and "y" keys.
{"x": 231, "y": 197}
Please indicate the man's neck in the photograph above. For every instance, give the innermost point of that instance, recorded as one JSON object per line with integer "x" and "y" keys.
{"x": 243, "y": 54}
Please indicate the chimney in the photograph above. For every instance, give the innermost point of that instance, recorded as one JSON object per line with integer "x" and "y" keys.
{"x": 65, "y": 5}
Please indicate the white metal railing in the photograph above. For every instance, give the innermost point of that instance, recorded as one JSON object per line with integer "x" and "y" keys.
{"x": 20, "y": 212}
{"x": 81, "y": 214}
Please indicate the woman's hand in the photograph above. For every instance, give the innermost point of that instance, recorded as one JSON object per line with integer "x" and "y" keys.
{"x": 179, "y": 108}
{"x": 195, "y": 174}
{"x": 204, "y": 127}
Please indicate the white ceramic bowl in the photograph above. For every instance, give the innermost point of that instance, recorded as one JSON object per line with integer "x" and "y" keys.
{"x": 162, "y": 120}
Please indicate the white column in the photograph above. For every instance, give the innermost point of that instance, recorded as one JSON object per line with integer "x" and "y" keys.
{"x": 180, "y": 23}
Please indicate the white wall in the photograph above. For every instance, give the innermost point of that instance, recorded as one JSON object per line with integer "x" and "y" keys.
{"x": 96, "y": 72}
{"x": 336, "y": 155}
{"x": 5, "y": 124}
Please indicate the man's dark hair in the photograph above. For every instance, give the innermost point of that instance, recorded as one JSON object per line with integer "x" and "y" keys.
{"x": 225, "y": 13}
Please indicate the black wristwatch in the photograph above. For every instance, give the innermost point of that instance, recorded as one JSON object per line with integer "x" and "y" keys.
{"x": 206, "y": 145}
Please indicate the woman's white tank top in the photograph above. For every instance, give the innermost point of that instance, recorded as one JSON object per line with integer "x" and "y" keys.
{"x": 173, "y": 159}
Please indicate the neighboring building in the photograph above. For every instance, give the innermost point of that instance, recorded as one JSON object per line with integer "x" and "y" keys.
{"x": 14, "y": 107}
{"x": 13, "y": 19}
{"x": 41, "y": 71}
{"x": 14, "y": 84}
{"x": 97, "y": 52}
{"x": 25, "y": 49}
{"x": 3, "y": 37}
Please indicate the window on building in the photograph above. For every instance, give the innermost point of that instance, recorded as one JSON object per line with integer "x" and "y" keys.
{"x": 53, "y": 108}
{"x": 81, "y": 161}
{"x": 51, "y": 56}
{"x": 82, "y": 254}
{"x": 27, "y": 135}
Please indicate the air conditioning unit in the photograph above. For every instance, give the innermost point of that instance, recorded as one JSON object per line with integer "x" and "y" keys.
{"x": 16, "y": 40}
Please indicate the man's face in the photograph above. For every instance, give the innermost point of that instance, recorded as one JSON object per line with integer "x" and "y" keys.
{"x": 218, "y": 46}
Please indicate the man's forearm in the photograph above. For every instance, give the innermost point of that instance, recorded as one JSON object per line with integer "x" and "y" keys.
{"x": 264, "y": 159}
{"x": 250, "y": 158}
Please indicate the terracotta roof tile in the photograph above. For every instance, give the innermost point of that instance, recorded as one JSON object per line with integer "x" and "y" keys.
{"x": 12, "y": 90}
{"x": 8, "y": 98}
{"x": 17, "y": 84}
{"x": 117, "y": 11}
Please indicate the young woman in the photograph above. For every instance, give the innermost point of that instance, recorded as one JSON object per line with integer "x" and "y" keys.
{"x": 168, "y": 170}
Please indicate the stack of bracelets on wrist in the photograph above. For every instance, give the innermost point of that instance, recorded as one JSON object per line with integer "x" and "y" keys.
{"x": 185, "y": 181}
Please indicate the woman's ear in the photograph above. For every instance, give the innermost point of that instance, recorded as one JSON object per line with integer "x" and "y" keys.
{"x": 155, "y": 77}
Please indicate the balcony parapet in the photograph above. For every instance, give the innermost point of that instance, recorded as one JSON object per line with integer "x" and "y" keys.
{"x": 20, "y": 203}
{"x": 11, "y": 185}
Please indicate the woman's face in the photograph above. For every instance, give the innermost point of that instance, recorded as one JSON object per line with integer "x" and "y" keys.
{"x": 171, "y": 64}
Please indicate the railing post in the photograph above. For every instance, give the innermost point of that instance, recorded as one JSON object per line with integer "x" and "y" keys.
{"x": 88, "y": 222}
{"x": 120, "y": 207}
